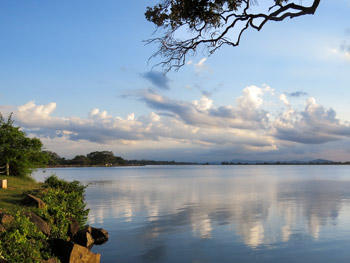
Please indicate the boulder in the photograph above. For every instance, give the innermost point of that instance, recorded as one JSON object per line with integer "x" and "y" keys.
{"x": 73, "y": 228}
{"x": 62, "y": 249}
{"x": 42, "y": 225}
{"x": 69, "y": 252}
{"x": 99, "y": 235}
{"x": 84, "y": 238}
{"x": 34, "y": 201}
{"x": 80, "y": 254}
{"x": 5, "y": 218}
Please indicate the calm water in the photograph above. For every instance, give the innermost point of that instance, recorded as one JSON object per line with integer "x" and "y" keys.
{"x": 219, "y": 213}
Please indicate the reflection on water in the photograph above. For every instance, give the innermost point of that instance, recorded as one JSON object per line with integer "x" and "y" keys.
{"x": 220, "y": 214}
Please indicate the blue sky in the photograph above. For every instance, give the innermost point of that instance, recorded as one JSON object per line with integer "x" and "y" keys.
{"x": 63, "y": 60}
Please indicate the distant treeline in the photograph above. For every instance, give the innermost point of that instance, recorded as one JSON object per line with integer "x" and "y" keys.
{"x": 103, "y": 158}
{"x": 314, "y": 162}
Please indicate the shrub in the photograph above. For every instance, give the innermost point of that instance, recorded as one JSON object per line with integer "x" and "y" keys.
{"x": 65, "y": 201}
{"x": 23, "y": 242}
{"x": 54, "y": 182}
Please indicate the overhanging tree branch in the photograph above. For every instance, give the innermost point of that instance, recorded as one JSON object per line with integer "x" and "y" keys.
{"x": 210, "y": 23}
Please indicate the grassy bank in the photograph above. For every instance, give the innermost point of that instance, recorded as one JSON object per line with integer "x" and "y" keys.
{"x": 28, "y": 230}
{"x": 10, "y": 198}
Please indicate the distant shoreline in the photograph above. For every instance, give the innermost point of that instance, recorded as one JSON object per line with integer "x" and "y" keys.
{"x": 202, "y": 164}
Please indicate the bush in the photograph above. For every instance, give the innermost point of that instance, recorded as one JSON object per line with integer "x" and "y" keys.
{"x": 23, "y": 242}
{"x": 65, "y": 201}
{"x": 54, "y": 182}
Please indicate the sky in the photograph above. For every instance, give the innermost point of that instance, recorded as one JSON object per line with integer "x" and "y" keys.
{"x": 77, "y": 75}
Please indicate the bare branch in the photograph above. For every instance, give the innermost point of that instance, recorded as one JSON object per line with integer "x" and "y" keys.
{"x": 215, "y": 33}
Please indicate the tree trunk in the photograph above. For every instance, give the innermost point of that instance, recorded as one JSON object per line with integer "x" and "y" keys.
{"x": 7, "y": 169}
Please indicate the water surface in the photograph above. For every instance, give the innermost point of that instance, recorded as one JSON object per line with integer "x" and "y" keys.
{"x": 219, "y": 213}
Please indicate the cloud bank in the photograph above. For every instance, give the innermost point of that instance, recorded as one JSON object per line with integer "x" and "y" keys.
{"x": 195, "y": 130}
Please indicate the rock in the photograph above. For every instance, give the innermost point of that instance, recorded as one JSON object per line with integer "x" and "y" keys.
{"x": 73, "y": 228}
{"x": 74, "y": 253}
{"x": 35, "y": 201}
{"x": 84, "y": 238}
{"x": 42, "y": 225}
{"x": 5, "y": 218}
{"x": 80, "y": 254}
{"x": 61, "y": 249}
{"x": 99, "y": 235}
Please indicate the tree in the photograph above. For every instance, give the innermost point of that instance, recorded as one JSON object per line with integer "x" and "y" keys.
{"x": 18, "y": 153}
{"x": 53, "y": 158}
{"x": 212, "y": 24}
{"x": 103, "y": 158}
{"x": 80, "y": 160}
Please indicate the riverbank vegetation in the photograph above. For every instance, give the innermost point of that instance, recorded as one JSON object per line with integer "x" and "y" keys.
{"x": 40, "y": 222}
{"x": 36, "y": 215}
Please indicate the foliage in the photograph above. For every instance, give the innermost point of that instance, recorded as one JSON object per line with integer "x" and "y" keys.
{"x": 213, "y": 23}
{"x": 23, "y": 242}
{"x": 104, "y": 157}
{"x": 93, "y": 158}
{"x": 80, "y": 160}
{"x": 53, "y": 158}
{"x": 54, "y": 182}
{"x": 16, "y": 149}
{"x": 65, "y": 201}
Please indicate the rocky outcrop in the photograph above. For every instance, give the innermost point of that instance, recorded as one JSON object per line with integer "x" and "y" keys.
{"x": 84, "y": 238}
{"x": 80, "y": 254}
{"x": 42, "y": 225}
{"x": 68, "y": 252}
{"x": 73, "y": 228}
{"x": 34, "y": 201}
{"x": 99, "y": 235}
{"x": 90, "y": 236}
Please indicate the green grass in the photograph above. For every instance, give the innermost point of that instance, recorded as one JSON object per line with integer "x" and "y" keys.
{"x": 10, "y": 198}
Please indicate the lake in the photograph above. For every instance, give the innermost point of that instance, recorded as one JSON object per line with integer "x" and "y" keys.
{"x": 218, "y": 213}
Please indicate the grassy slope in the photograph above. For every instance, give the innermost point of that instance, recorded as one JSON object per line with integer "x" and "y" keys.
{"x": 10, "y": 198}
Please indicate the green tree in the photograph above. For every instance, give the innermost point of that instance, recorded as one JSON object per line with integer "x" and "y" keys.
{"x": 104, "y": 157}
{"x": 18, "y": 153}
{"x": 213, "y": 23}
{"x": 80, "y": 160}
{"x": 54, "y": 158}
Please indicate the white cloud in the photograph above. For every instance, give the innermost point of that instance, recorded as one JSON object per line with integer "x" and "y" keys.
{"x": 203, "y": 104}
{"x": 284, "y": 99}
{"x": 313, "y": 125}
{"x": 200, "y": 64}
{"x": 200, "y": 126}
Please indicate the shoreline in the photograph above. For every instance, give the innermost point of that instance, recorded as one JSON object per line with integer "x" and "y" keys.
{"x": 196, "y": 164}
{"x": 33, "y": 211}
